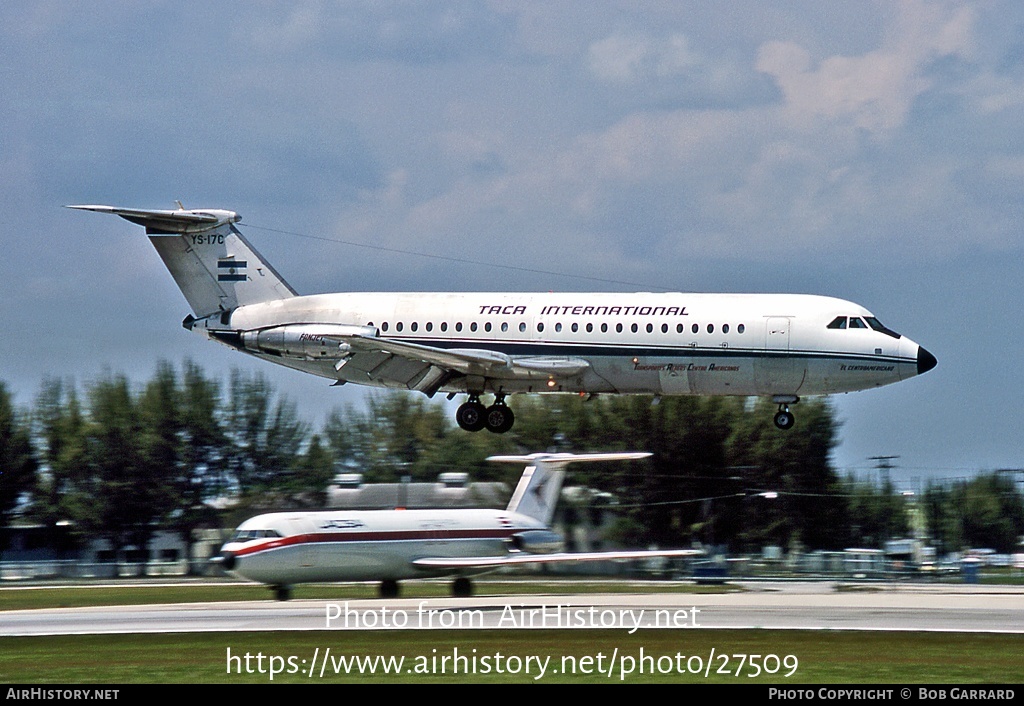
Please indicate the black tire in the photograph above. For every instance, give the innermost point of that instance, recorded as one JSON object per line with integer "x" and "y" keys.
{"x": 499, "y": 418}
{"x": 283, "y": 593}
{"x": 389, "y": 588}
{"x": 462, "y": 587}
{"x": 785, "y": 420}
{"x": 471, "y": 416}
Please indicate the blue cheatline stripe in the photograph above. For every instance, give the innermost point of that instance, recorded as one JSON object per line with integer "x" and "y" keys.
{"x": 230, "y": 278}
{"x": 232, "y": 263}
{"x": 640, "y": 349}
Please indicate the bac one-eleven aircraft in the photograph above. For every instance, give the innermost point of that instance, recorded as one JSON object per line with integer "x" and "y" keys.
{"x": 285, "y": 548}
{"x": 780, "y": 346}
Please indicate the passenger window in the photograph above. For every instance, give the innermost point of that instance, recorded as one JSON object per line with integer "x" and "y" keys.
{"x": 604, "y": 328}
{"x": 575, "y": 328}
{"x": 398, "y": 326}
{"x": 504, "y": 326}
{"x": 472, "y": 326}
{"x": 664, "y": 328}
{"x": 838, "y": 322}
{"x": 458, "y": 326}
{"x": 618, "y": 328}
{"x": 487, "y": 327}
{"x": 444, "y": 325}
{"x": 711, "y": 328}
{"x": 741, "y": 328}
{"x": 590, "y": 328}
{"x": 650, "y": 328}
{"x": 413, "y": 326}
{"x": 679, "y": 328}
{"x": 522, "y": 328}
{"x": 540, "y": 327}
{"x": 633, "y": 328}
{"x": 725, "y": 328}
{"x": 384, "y": 326}
{"x": 695, "y": 328}
{"x": 429, "y": 326}
{"x": 558, "y": 328}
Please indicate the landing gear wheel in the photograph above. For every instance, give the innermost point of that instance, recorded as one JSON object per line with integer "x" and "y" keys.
{"x": 282, "y": 593}
{"x": 499, "y": 418}
{"x": 462, "y": 587}
{"x": 389, "y": 588}
{"x": 471, "y": 416}
{"x": 784, "y": 419}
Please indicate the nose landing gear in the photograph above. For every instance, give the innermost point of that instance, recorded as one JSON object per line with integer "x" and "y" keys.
{"x": 784, "y": 419}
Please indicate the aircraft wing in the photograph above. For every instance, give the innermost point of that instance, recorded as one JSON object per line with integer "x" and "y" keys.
{"x": 428, "y": 368}
{"x": 561, "y": 557}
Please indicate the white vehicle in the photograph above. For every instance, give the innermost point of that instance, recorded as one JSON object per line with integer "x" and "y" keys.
{"x": 285, "y": 548}
{"x": 780, "y": 346}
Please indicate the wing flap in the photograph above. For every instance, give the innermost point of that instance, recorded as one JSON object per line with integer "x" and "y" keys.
{"x": 472, "y": 361}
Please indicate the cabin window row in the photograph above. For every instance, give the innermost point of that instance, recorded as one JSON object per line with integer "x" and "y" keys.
{"x": 575, "y": 327}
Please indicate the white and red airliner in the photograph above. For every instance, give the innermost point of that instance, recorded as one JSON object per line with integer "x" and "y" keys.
{"x": 286, "y": 548}
{"x": 781, "y": 346}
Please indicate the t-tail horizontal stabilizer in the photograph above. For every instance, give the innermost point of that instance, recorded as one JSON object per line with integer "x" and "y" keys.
{"x": 538, "y": 489}
{"x": 213, "y": 264}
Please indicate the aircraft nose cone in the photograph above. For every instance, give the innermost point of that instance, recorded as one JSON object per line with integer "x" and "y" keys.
{"x": 925, "y": 361}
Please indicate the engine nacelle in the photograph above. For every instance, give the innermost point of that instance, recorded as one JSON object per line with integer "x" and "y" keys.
{"x": 538, "y": 542}
{"x": 306, "y": 341}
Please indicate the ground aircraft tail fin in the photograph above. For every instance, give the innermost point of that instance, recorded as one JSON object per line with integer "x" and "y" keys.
{"x": 213, "y": 264}
{"x": 541, "y": 483}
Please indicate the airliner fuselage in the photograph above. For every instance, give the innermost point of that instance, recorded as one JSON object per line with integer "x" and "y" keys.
{"x": 672, "y": 343}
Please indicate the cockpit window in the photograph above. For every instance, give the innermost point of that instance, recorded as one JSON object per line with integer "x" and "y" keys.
{"x": 249, "y": 535}
{"x": 878, "y": 326}
{"x": 857, "y": 323}
{"x": 838, "y": 322}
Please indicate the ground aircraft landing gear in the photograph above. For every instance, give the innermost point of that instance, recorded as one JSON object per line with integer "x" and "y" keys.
{"x": 462, "y": 587}
{"x": 473, "y": 416}
{"x": 282, "y": 593}
{"x": 389, "y": 588}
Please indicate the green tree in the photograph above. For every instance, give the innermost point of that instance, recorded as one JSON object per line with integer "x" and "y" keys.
{"x": 202, "y": 464}
{"x": 266, "y": 437}
{"x": 17, "y": 461}
{"x": 123, "y": 480}
{"x": 59, "y": 434}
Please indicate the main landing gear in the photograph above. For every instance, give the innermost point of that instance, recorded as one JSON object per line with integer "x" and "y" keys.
{"x": 784, "y": 419}
{"x": 473, "y": 416}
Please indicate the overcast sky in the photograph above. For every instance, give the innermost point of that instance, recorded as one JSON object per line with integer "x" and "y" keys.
{"x": 868, "y": 151}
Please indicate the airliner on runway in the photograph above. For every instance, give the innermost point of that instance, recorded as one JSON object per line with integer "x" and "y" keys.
{"x": 286, "y": 548}
{"x": 781, "y": 346}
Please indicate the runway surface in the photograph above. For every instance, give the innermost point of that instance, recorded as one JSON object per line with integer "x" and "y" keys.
{"x": 816, "y": 606}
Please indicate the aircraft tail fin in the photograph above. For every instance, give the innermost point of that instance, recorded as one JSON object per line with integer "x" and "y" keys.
{"x": 213, "y": 264}
{"x": 541, "y": 483}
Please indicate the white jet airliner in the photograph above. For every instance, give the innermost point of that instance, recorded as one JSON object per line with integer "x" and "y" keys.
{"x": 285, "y": 548}
{"x": 781, "y": 346}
